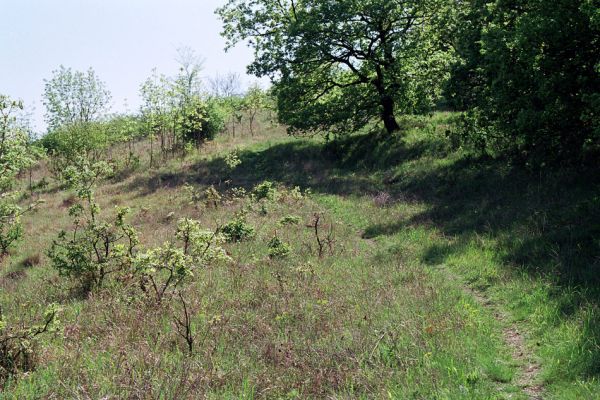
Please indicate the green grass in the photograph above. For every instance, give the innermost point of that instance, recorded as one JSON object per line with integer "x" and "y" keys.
{"x": 385, "y": 312}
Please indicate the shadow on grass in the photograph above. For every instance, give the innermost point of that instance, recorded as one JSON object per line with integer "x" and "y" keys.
{"x": 545, "y": 224}
{"x": 303, "y": 163}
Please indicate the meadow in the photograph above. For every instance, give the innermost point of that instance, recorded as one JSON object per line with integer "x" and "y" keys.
{"x": 369, "y": 266}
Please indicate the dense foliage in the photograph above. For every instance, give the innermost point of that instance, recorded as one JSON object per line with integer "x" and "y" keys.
{"x": 526, "y": 73}
{"x": 529, "y": 75}
{"x": 337, "y": 64}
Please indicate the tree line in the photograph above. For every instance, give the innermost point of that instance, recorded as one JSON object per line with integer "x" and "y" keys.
{"x": 178, "y": 114}
{"x": 525, "y": 73}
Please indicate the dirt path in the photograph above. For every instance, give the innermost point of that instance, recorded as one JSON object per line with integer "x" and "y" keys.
{"x": 529, "y": 367}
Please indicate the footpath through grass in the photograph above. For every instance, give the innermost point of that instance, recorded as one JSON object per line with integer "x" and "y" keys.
{"x": 387, "y": 303}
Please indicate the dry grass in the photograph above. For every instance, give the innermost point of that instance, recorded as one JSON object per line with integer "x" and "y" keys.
{"x": 361, "y": 321}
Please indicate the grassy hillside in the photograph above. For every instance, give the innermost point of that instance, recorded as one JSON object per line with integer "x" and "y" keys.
{"x": 431, "y": 275}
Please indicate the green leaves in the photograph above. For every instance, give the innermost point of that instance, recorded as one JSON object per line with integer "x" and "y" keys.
{"x": 168, "y": 266}
{"x": 16, "y": 154}
{"x": 175, "y": 108}
{"x": 526, "y": 69}
{"x": 238, "y": 229}
{"x": 203, "y": 245}
{"x": 337, "y": 64}
{"x": 11, "y": 229}
{"x": 74, "y": 97}
{"x": 278, "y": 249}
{"x": 93, "y": 249}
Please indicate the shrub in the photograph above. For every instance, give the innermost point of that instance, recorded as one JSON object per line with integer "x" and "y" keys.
{"x": 278, "y": 248}
{"x": 18, "y": 345}
{"x": 215, "y": 119}
{"x": 93, "y": 249}
{"x": 165, "y": 268}
{"x": 16, "y": 154}
{"x": 238, "y": 230}
{"x": 233, "y": 160}
{"x": 265, "y": 190}
{"x": 11, "y": 229}
{"x": 290, "y": 220}
{"x": 203, "y": 245}
{"x": 193, "y": 194}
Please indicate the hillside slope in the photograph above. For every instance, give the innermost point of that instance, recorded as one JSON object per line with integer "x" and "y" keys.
{"x": 400, "y": 268}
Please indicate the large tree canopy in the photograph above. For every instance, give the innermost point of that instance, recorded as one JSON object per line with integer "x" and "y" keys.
{"x": 336, "y": 64}
{"x": 530, "y": 71}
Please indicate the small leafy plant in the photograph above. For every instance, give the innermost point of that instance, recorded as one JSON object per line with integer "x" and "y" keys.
{"x": 278, "y": 248}
{"x": 289, "y": 220}
{"x": 238, "y": 229}
{"x": 165, "y": 268}
{"x": 18, "y": 345}
{"x": 232, "y": 160}
{"x": 11, "y": 229}
{"x": 265, "y": 190}
{"x": 194, "y": 195}
{"x": 238, "y": 193}
{"x": 162, "y": 269}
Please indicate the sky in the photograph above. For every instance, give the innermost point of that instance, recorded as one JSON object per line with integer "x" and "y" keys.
{"x": 123, "y": 40}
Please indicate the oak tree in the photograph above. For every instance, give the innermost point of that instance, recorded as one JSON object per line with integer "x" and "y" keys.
{"x": 336, "y": 64}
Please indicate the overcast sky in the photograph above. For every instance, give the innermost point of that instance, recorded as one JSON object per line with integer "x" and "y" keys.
{"x": 123, "y": 40}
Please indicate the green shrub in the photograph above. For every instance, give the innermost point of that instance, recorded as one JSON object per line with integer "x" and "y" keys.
{"x": 232, "y": 160}
{"x": 290, "y": 220}
{"x": 265, "y": 190}
{"x": 203, "y": 245}
{"x": 11, "y": 228}
{"x": 238, "y": 230}
{"x": 165, "y": 268}
{"x": 278, "y": 248}
{"x": 18, "y": 344}
{"x": 215, "y": 119}
{"x": 93, "y": 248}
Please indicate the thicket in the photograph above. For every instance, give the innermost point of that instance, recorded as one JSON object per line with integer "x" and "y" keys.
{"x": 178, "y": 114}
{"x": 525, "y": 73}
{"x": 528, "y": 77}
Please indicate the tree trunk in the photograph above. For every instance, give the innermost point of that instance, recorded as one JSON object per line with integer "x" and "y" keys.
{"x": 387, "y": 114}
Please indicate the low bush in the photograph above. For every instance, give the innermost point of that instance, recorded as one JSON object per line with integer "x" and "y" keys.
{"x": 290, "y": 220}
{"x": 238, "y": 229}
{"x": 18, "y": 345}
{"x": 265, "y": 190}
{"x": 93, "y": 248}
{"x": 278, "y": 248}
